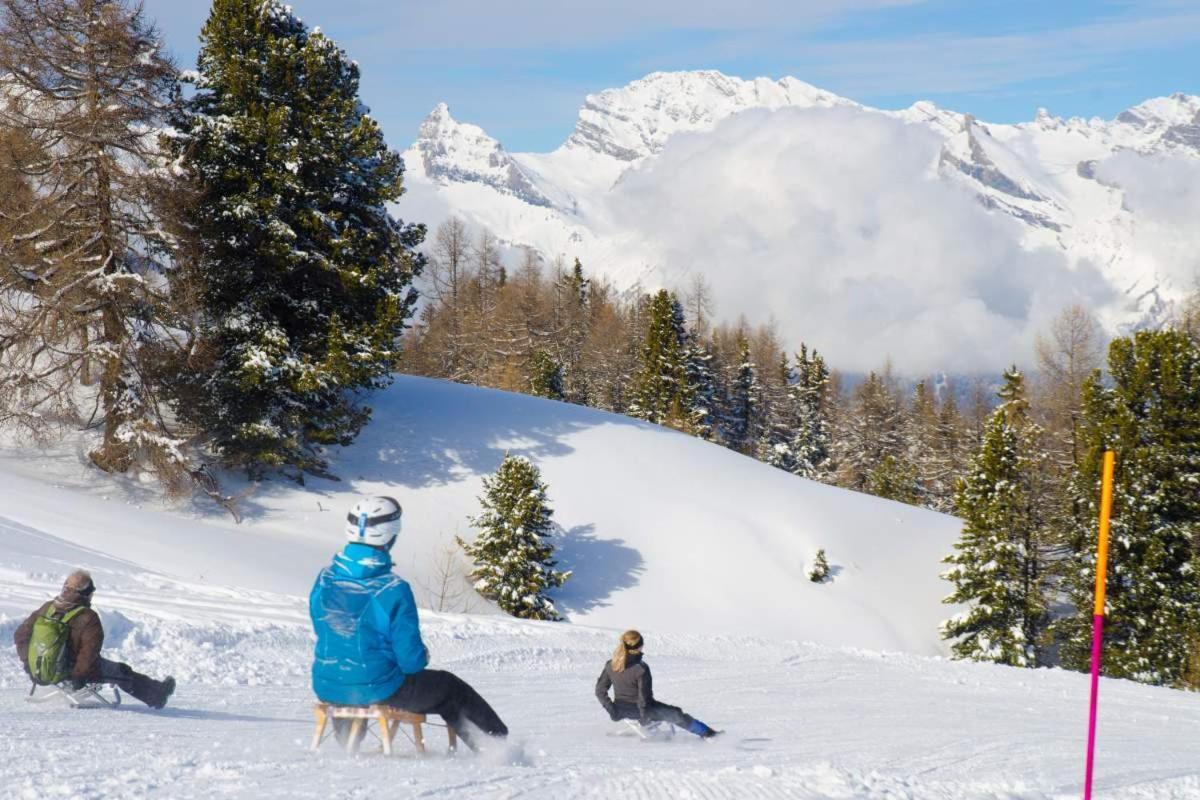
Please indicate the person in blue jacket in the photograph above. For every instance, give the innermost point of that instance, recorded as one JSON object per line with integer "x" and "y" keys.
{"x": 369, "y": 648}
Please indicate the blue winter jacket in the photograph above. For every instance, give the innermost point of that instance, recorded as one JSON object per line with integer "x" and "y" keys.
{"x": 368, "y": 637}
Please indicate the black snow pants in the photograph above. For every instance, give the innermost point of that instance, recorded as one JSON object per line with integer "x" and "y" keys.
{"x": 655, "y": 712}
{"x": 433, "y": 691}
{"x": 135, "y": 684}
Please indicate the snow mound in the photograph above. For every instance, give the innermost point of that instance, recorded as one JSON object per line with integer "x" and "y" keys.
{"x": 663, "y": 531}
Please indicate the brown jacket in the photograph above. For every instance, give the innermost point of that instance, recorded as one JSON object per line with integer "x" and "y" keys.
{"x": 87, "y": 637}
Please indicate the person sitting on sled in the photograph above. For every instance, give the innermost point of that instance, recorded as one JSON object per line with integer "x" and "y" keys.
{"x": 369, "y": 648}
{"x": 633, "y": 692}
{"x": 74, "y": 658}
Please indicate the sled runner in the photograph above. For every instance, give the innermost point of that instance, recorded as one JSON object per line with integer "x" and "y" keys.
{"x": 389, "y": 720}
{"x": 653, "y": 732}
{"x": 90, "y": 696}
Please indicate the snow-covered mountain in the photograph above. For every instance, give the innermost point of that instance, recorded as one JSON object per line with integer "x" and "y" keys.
{"x": 1078, "y": 210}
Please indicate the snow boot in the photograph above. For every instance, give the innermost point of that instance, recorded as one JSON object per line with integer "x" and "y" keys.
{"x": 166, "y": 688}
{"x": 700, "y": 729}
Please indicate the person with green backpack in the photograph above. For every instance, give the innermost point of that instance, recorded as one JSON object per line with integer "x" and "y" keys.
{"x": 60, "y": 644}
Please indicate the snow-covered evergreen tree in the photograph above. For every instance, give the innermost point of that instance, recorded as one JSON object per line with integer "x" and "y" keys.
{"x": 998, "y": 566}
{"x": 779, "y": 422}
{"x": 810, "y": 444}
{"x": 703, "y": 391}
{"x": 662, "y": 391}
{"x": 1150, "y": 416}
{"x": 742, "y": 410}
{"x": 820, "y": 568}
{"x": 303, "y": 274}
{"x": 513, "y": 552}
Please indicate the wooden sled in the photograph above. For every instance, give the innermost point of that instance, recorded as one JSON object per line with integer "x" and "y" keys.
{"x": 90, "y": 696}
{"x": 389, "y": 720}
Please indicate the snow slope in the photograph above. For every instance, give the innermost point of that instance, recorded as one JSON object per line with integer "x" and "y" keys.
{"x": 663, "y": 531}
{"x": 1070, "y": 191}
{"x": 802, "y": 720}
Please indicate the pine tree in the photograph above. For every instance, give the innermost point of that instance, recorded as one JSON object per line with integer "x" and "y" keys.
{"x": 779, "y": 424}
{"x": 998, "y": 568}
{"x": 894, "y": 478}
{"x": 546, "y": 376}
{"x": 820, "y": 569}
{"x": 85, "y": 298}
{"x": 1150, "y": 416}
{"x": 919, "y": 430}
{"x": 304, "y": 276}
{"x": 513, "y": 552}
{"x": 703, "y": 391}
{"x": 662, "y": 393}
{"x": 810, "y": 445}
{"x": 743, "y": 408}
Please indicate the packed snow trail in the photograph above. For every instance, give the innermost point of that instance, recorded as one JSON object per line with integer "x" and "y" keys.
{"x": 801, "y": 720}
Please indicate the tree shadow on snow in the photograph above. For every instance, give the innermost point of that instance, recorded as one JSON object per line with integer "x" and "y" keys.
{"x": 602, "y": 567}
{"x": 427, "y": 432}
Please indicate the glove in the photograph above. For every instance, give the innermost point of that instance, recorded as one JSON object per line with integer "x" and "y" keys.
{"x": 612, "y": 714}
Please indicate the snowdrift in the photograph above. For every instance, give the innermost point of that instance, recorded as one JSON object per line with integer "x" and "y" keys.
{"x": 663, "y": 531}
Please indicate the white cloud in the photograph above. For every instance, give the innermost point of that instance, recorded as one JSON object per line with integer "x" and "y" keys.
{"x": 1164, "y": 193}
{"x": 852, "y": 244}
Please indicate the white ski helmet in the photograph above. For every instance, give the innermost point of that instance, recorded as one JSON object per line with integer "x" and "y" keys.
{"x": 374, "y": 520}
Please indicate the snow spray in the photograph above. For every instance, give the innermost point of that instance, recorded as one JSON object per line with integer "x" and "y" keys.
{"x": 1106, "y": 492}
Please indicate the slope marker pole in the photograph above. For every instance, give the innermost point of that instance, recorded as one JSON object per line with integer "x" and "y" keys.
{"x": 1106, "y": 492}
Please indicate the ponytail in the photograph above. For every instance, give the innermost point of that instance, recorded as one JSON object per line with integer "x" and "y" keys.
{"x": 630, "y": 644}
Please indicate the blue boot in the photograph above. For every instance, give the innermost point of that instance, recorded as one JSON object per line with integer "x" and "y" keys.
{"x": 700, "y": 729}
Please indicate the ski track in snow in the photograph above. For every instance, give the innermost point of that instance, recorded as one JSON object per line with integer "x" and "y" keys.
{"x": 801, "y": 720}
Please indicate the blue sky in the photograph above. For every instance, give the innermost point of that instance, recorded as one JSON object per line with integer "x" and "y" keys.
{"x": 520, "y": 68}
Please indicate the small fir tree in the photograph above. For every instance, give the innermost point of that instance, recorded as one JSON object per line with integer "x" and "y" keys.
{"x": 513, "y": 553}
{"x": 1150, "y": 416}
{"x": 742, "y": 417}
{"x": 662, "y": 392}
{"x": 775, "y": 444}
{"x": 998, "y": 567}
{"x": 810, "y": 443}
{"x": 820, "y": 568}
{"x": 702, "y": 391}
{"x": 546, "y": 376}
{"x": 893, "y": 478}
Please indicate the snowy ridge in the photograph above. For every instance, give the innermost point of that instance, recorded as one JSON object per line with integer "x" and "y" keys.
{"x": 1050, "y": 176}
{"x": 636, "y": 121}
{"x": 453, "y": 151}
{"x": 722, "y": 548}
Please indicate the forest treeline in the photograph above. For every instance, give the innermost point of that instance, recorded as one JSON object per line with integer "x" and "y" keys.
{"x": 1017, "y": 459}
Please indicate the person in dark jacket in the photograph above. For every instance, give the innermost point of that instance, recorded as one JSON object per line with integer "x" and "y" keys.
{"x": 369, "y": 648}
{"x": 633, "y": 690}
{"x": 86, "y": 637}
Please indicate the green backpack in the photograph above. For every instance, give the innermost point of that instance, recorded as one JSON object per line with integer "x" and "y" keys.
{"x": 48, "y": 652}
